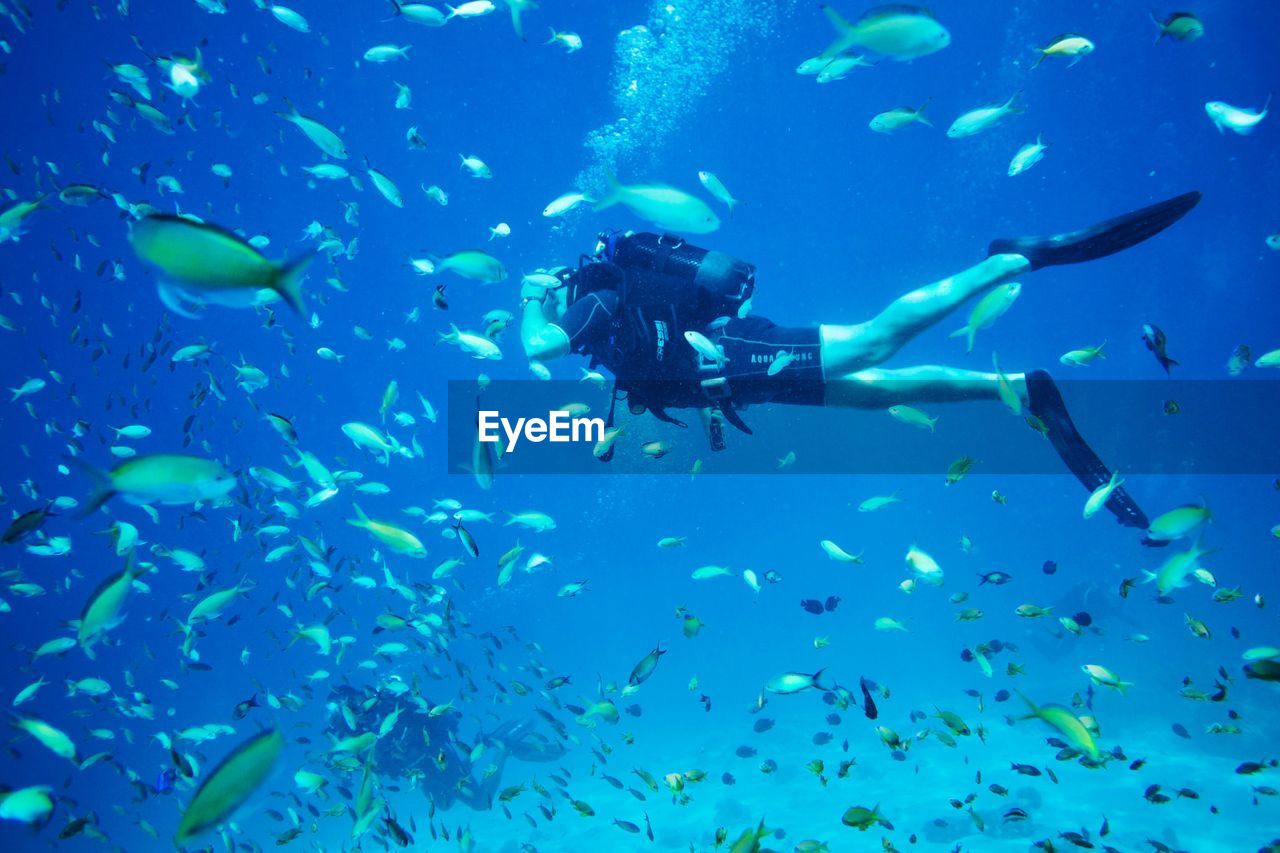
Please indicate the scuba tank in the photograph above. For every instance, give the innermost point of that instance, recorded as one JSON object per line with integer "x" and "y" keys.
{"x": 671, "y": 271}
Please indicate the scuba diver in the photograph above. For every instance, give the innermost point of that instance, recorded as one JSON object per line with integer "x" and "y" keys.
{"x": 633, "y": 305}
{"x": 429, "y": 751}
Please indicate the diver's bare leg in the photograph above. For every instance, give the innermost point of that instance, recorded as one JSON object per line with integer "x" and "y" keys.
{"x": 878, "y": 388}
{"x": 846, "y": 349}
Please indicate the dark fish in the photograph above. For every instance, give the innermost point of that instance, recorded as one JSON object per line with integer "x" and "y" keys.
{"x": 1083, "y": 619}
{"x": 745, "y": 751}
{"x": 626, "y": 826}
{"x": 762, "y": 725}
{"x": 1153, "y": 336}
{"x": 1248, "y": 768}
{"x": 821, "y": 738}
{"x": 26, "y": 524}
{"x": 242, "y": 709}
{"x": 1049, "y": 567}
{"x": 73, "y": 828}
{"x": 164, "y": 782}
{"x": 868, "y": 704}
{"x": 1172, "y": 407}
{"x": 468, "y": 541}
{"x": 1002, "y": 695}
{"x": 180, "y": 763}
{"x": 1025, "y": 769}
{"x": 832, "y": 602}
{"x": 633, "y": 710}
{"x": 995, "y": 578}
{"x": 1181, "y": 731}
{"x": 727, "y": 779}
{"x": 812, "y": 605}
{"x": 833, "y": 719}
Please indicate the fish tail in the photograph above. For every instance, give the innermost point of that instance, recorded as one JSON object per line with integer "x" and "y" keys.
{"x": 102, "y": 488}
{"x": 920, "y": 113}
{"x": 1039, "y": 58}
{"x": 291, "y": 114}
{"x": 361, "y": 520}
{"x": 817, "y": 675}
{"x": 837, "y": 20}
{"x": 612, "y": 193}
{"x": 288, "y": 282}
{"x": 1160, "y": 34}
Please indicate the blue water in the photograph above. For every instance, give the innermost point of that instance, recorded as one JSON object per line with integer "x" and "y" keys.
{"x": 839, "y": 220}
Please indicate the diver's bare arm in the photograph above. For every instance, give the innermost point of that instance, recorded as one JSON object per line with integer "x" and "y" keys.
{"x": 543, "y": 340}
{"x": 846, "y": 349}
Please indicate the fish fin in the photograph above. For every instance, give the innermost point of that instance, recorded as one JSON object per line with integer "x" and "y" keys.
{"x": 816, "y": 676}
{"x": 170, "y": 297}
{"x": 1039, "y": 58}
{"x": 920, "y": 114}
{"x": 103, "y": 489}
{"x": 288, "y": 281}
{"x": 1008, "y": 105}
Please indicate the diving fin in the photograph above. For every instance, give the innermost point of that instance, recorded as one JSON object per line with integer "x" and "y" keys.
{"x": 1046, "y": 404}
{"x": 1097, "y": 241}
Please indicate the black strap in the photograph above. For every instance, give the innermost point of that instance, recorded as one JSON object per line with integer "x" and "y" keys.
{"x": 607, "y": 456}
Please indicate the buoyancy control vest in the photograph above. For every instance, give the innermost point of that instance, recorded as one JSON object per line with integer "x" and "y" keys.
{"x": 665, "y": 287}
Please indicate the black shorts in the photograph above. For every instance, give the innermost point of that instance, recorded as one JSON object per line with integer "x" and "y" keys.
{"x": 752, "y": 344}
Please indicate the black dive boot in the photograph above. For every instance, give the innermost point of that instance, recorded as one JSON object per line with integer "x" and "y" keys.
{"x": 1097, "y": 241}
{"x": 1046, "y": 404}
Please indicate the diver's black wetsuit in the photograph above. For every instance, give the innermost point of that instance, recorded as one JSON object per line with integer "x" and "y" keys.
{"x": 750, "y": 345}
